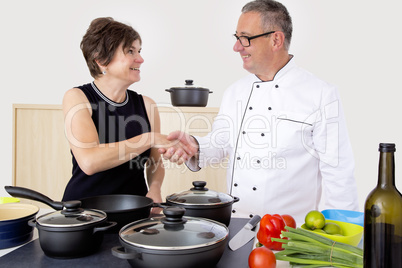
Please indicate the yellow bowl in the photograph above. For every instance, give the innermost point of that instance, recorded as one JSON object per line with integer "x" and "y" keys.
{"x": 4, "y": 200}
{"x": 352, "y": 233}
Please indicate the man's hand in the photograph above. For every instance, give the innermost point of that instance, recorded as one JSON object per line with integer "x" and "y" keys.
{"x": 180, "y": 154}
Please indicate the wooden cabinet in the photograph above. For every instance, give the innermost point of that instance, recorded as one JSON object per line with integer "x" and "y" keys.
{"x": 42, "y": 158}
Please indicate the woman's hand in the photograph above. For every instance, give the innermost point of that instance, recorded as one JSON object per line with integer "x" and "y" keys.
{"x": 184, "y": 146}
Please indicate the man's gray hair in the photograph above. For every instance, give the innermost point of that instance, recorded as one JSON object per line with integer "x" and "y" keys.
{"x": 274, "y": 17}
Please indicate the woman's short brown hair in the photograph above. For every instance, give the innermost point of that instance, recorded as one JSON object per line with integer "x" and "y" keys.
{"x": 102, "y": 39}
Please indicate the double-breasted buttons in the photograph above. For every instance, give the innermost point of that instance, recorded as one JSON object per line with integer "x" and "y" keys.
{"x": 254, "y": 188}
{"x": 235, "y": 185}
{"x": 251, "y": 215}
{"x": 250, "y": 108}
{"x": 269, "y": 108}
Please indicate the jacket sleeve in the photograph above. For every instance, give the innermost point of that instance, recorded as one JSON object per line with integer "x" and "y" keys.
{"x": 334, "y": 150}
{"x": 215, "y": 146}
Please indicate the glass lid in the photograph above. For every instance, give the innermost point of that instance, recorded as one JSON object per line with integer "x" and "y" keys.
{"x": 71, "y": 216}
{"x": 200, "y": 195}
{"x": 174, "y": 232}
{"x": 190, "y": 85}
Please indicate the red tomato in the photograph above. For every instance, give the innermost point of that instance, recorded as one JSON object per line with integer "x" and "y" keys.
{"x": 262, "y": 257}
{"x": 289, "y": 220}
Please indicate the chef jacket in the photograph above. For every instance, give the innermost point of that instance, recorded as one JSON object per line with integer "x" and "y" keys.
{"x": 286, "y": 144}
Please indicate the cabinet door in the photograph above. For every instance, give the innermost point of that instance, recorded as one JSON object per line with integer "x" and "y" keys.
{"x": 41, "y": 153}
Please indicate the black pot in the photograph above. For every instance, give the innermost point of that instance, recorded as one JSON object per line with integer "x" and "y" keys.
{"x": 189, "y": 95}
{"x": 71, "y": 233}
{"x": 122, "y": 209}
{"x": 14, "y": 228}
{"x": 162, "y": 241}
{"x": 199, "y": 201}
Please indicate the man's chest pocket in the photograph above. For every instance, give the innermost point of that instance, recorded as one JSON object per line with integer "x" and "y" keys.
{"x": 292, "y": 131}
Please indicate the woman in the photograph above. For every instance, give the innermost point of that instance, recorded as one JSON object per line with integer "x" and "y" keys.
{"x": 113, "y": 131}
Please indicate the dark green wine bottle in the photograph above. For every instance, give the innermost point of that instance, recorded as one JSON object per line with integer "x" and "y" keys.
{"x": 383, "y": 216}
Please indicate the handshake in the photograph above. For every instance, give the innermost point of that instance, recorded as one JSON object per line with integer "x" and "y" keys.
{"x": 178, "y": 147}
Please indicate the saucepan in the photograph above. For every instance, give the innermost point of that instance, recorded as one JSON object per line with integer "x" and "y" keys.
{"x": 68, "y": 232}
{"x": 199, "y": 201}
{"x": 189, "y": 95}
{"x": 14, "y": 228}
{"x": 173, "y": 239}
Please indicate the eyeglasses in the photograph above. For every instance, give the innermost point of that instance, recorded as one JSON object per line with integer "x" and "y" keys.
{"x": 245, "y": 40}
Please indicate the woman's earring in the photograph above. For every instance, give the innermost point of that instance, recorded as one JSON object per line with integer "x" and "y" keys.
{"x": 104, "y": 72}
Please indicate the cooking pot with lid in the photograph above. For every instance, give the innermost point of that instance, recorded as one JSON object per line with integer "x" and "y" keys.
{"x": 189, "y": 95}
{"x": 72, "y": 232}
{"x": 175, "y": 239}
{"x": 200, "y": 201}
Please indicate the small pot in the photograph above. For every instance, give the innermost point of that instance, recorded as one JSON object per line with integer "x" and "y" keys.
{"x": 162, "y": 241}
{"x": 189, "y": 95}
{"x": 199, "y": 201}
{"x": 72, "y": 232}
{"x": 14, "y": 228}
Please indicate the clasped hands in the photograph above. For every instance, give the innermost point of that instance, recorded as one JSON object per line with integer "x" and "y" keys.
{"x": 181, "y": 148}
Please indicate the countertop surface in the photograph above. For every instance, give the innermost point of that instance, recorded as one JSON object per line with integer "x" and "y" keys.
{"x": 31, "y": 254}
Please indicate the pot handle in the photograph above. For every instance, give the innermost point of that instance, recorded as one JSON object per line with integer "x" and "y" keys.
{"x": 119, "y": 252}
{"x": 108, "y": 225}
{"x": 169, "y": 90}
{"x": 210, "y": 92}
{"x": 235, "y": 199}
{"x": 33, "y": 195}
{"x": 161, "y": 205}
{"x": 32, "y": 222}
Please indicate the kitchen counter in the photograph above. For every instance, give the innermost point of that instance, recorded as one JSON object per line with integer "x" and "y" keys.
{"x": 31, "y": 254}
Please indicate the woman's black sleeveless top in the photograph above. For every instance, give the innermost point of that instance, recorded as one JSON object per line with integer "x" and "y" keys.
{"x": 114, "y": 122}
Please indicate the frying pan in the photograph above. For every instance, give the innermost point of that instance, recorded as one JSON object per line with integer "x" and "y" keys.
{"x": 122, "y": 209}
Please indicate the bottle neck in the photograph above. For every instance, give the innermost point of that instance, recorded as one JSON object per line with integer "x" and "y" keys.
{"x": 386, "y": 170}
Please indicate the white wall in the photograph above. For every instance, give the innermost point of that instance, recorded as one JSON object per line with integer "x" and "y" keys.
{"x": 353, "y": 44}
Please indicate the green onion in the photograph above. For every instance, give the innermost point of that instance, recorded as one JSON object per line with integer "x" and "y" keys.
{"x": 306, "y": 249}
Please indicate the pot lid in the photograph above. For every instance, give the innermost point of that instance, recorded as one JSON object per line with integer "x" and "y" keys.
{"x": 200, "y": 195}
{"x": 72, "y": 216}
{"x": 189, "y": 84}
{"x": 173, "y": 231}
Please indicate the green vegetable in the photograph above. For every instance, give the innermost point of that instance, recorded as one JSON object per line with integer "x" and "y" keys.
{"x": 307, "y": 249}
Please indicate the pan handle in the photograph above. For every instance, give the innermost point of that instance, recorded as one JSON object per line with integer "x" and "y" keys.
{"x": 119, "y": 252}
{"x": 33, "y": 195}
{"x": 106, "y": 227}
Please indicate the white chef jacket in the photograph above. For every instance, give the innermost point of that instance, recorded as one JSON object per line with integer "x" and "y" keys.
{"x": 286, "y": 140}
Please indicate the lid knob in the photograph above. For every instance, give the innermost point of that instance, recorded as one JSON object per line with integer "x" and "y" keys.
{"x": 174, "y": 215}
{"x": 189, "y": 82}
{"x": 199, "y": 186}
{"x": 72, "y": 207}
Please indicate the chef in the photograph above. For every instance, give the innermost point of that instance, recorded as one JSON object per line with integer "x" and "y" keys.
{"x": 281, "y": 128}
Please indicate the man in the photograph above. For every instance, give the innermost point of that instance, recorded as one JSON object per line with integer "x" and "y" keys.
{"x": 282, "y": 129}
